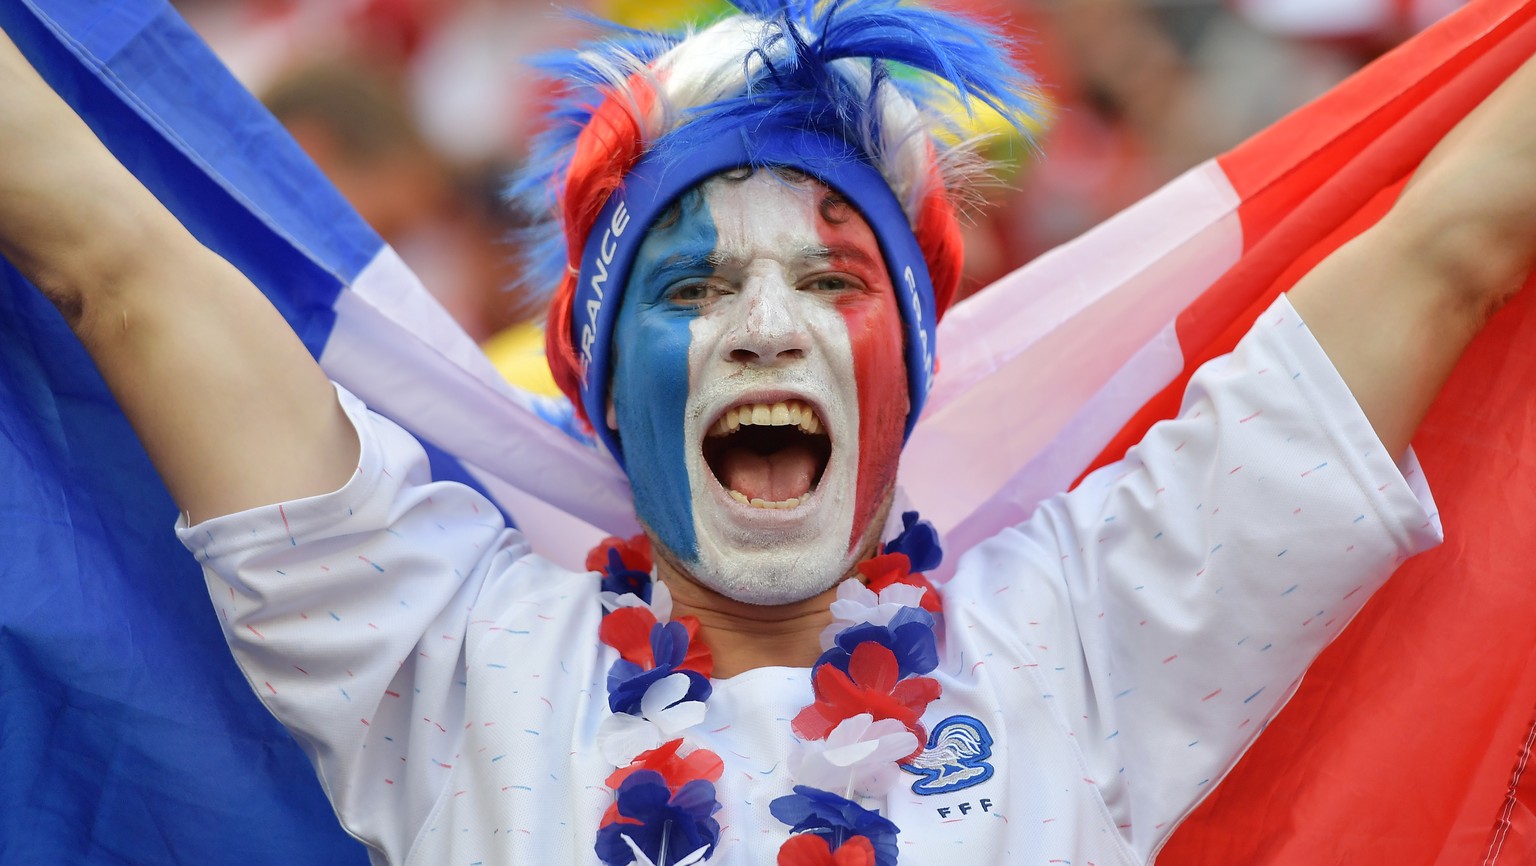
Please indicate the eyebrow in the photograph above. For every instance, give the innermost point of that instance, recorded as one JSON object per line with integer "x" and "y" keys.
{"x": 684, "y": 263}
{"x": 841, "y": 252}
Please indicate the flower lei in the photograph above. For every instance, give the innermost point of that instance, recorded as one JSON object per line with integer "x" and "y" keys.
{"x": 870, "y": 694}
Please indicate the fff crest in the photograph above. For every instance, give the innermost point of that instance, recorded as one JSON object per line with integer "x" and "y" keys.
{"x": 955, "y": 757}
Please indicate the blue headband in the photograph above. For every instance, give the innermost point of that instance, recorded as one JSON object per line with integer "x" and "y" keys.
{"x": 680, "y": 163}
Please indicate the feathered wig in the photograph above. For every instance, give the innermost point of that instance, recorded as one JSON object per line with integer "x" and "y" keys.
{"x": 882, "y": 76}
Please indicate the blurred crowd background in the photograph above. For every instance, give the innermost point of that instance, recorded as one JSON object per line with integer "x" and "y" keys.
{"x": 419, "y": 110}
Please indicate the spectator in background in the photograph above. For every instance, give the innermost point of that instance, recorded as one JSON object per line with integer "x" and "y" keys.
{"x": 351, "y": 116}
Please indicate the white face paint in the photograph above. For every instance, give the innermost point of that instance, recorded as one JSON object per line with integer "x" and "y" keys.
{"x": 796, "y": 388}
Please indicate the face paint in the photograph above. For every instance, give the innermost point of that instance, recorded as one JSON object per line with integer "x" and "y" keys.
{"x": 759, "y": 386}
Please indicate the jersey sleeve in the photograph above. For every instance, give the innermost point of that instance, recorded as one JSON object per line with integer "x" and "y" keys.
{"x": 347, "y": 613}
{"x": 1171, "y": 602}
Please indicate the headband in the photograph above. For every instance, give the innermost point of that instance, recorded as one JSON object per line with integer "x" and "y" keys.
{"x": 682, "y": 162}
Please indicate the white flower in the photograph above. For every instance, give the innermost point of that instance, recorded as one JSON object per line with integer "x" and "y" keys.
{"x": 661, "y": 601}
{"x": 856, "y": 604}
{"x": 859, "y": 756}
{"x": 663, "y": 715}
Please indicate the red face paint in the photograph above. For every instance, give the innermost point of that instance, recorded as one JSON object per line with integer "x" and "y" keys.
{"x": 875, "y": 334}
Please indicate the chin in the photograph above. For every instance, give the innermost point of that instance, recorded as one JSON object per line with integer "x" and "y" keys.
{"x": 770, "y": 577}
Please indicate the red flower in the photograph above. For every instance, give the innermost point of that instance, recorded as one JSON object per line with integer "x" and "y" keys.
{"x": 676, "y": 771}
{"x": 888, "y": 568}
{"x": 635, "y": 552}
{"x": 809, "y": 849}
{"x": 870, "y": 686}
{"x": 628, "y": 630}
{"x": 699, "y": 657}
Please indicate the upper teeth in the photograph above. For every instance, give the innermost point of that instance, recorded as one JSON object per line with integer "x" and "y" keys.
{"x": 788, "y": 413}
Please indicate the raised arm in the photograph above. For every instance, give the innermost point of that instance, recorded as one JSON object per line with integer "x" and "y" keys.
{"x": 230, "y": 406}
{"x": 1395, "y": 307}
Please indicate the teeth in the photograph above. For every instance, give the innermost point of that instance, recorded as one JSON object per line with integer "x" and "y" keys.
{"x": 790, "y": 413}
{"x": 758, "y": 503}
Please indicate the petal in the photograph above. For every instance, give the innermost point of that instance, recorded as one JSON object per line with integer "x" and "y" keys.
{"x": 917, "y": 692}
{"x": 885, "y": 569}
{"x": 636, "y": 553}
{"x": 811, "y": 723}
{"x": 661, "y": 603}
{"x": 664, "y": 693}
{"x": 621, "y": 737}
{"x": 902, "y": 594}
{"x": 806, "y": 849}
{"x": 857, "y": 851}
{"x": 829, "y": 634}
{"x": 874, "y": 667}
{"x": 837, "y": 693}
{"x": 698, "y": 658}
{"x": 702, "y": 764}
{"x": 931, "y": 600}
{"x": 894, "y": 747}
{"x": 597, "y": 557}
{"x": 851, "y": 730}
{"x": 876, "y": 780}
{"x": 851, "y": 754}
{"x": 628, "y": 630}
{"x": 679, "y": 717}
{"x": 803, "y": 765}
{"x": 640, "y": 858}
{"x": 854, "y": 590}
{"x": 697, "y": 798}
{"x": 669, "y": 642}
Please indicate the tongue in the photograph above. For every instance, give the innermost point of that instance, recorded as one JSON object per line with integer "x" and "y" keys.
{"x": 784, "y": 474}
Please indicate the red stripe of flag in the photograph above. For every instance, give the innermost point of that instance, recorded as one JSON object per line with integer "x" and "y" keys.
{"x": 1399, "y": 746}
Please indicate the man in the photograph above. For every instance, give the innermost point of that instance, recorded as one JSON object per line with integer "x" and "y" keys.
{"x": 1100, "y": 666}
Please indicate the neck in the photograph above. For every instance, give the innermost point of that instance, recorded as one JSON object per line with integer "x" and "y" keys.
{"x": 743, "y": 637}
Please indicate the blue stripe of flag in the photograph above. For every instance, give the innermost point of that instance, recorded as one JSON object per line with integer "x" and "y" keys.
{"x": 127, "y": 734}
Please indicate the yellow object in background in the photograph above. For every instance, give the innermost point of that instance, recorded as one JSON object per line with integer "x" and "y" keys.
{"x": 661, "y": 14}
{"x": 518, "y": 353}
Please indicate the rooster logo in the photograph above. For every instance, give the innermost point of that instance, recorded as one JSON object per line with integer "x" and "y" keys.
{"x": 955, "y": 757}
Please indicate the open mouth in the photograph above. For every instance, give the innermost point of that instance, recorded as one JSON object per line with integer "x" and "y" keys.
{"x": 768, "y": 455}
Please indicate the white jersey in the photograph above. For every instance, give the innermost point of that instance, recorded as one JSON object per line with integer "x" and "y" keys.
{"x": 1103, "y": 665}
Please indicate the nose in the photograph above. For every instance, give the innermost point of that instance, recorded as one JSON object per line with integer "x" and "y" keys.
{"x": 771, "y": 329}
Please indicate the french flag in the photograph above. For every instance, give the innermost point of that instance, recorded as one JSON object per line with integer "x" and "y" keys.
{"x": 127, "y": 735}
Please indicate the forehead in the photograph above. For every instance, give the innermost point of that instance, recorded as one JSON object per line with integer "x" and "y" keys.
{"x": 748, "y": 213}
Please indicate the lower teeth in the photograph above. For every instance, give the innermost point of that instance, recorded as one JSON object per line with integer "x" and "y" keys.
{"x": 759, "y": 503}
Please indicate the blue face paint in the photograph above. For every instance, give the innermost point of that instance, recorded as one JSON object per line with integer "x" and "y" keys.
{"x": 650, "y": 377}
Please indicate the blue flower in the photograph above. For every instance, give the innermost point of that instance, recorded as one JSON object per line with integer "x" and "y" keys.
{"x": 627, "y": 681}
{"x": 909, "y": 636}
{"x": 680, "y": 822}
{"x": 619, "y": 579}
{"x": 919, "y": 541}
{"x": 810, "y": 810}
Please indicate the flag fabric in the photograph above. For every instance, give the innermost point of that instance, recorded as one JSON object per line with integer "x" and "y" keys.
{"x": 128, "y": 736}
{"x": 1407, "y": 741}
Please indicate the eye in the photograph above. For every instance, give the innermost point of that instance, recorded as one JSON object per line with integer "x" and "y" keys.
{"x": 830, "y": 283}
{"x": 693, "y": 293}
